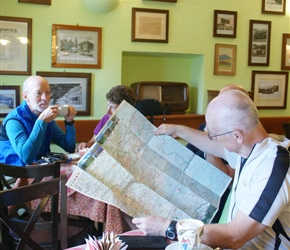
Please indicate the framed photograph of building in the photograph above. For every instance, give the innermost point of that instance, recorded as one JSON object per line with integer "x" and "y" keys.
{"x": 285, "y": 58}
{"x": 70, "y": 88}
{"x": 225, "y": 23}
{"x": 276, "y": 7}
{"x": 225, "y": 59}
{"x": 270, "y": 89}
{"x": 76, "y": 46}
{"x": 150, "y": 25}
{"x": 259, "y": 43}
{"x": 9, "y": 99}
{"x": 16, "y": 44}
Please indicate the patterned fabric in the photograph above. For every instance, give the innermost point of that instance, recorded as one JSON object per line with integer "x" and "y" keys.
{"x": 81, "y": 205}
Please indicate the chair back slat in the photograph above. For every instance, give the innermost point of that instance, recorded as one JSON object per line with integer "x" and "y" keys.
{"x": 31, "y": 171}
{"x": 27, "y": 193}
{"x": 19, "y": 197}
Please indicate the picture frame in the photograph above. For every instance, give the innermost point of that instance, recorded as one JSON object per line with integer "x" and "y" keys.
{"x": 285, "y": 58}
{"x": 16, "y": 45}
{"x": 259, "y": 43}
{"x": 225, "y": 23}
{"x": 277, "y": 7}
{"x": 70, "y": 88}
{"x": 76, "y": 46}
{"x": 270, "y": 89}
{"x": 150, "y": 25}
{"x": 45, "y": 2}
{"x": 167, "y": 1}
{"x": 9, "y": 99}
{"x": 225, "y": 59}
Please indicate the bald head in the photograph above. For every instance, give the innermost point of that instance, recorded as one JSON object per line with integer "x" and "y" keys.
{"x": 232, "y": 86}
{"x": 36, "y": 93}
{"x": 232, "y": 110}
{"x": 34, "y": 81}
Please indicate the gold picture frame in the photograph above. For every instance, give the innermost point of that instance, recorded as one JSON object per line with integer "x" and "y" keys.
{"x": 76, "y": 46}
{"x": 225, "y": 59}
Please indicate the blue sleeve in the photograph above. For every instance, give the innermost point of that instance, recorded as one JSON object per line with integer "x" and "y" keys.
{"x": 27, "y": 148}
{"x": 67, "y": 140}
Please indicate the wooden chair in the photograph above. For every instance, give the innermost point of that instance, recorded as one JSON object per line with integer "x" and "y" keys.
{"x": 72, "y": 231}
{"x": 286, "y": 127}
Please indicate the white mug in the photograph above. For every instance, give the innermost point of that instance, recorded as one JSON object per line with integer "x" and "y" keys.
{"x": 189, "y": 233}
{"x": 62, "y": 110}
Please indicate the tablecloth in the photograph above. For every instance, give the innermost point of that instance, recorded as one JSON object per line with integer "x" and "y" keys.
{"x": 81, "y": 205}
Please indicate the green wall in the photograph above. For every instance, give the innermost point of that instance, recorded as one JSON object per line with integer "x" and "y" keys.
{"x": 187, "y": 57}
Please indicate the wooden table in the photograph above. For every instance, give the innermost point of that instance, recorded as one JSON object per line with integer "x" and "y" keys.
{"x": 81, "y": 205}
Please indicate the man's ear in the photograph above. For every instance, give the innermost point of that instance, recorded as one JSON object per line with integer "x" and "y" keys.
{"x": 24, "y": 95}
{"x": 239, "y": 136}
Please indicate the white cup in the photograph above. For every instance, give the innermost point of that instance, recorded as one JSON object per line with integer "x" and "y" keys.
{"x": 62, "y": 110}
{"x": 189, "y": 233}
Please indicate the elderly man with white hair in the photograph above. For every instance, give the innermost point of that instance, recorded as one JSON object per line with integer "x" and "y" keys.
{"x": 27, "y": 131}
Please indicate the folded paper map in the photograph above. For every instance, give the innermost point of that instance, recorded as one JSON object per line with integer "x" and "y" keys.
{"x": 143, "y": 174}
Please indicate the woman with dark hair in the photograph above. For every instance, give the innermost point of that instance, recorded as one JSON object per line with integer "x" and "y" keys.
{"x": 114, "y": 98}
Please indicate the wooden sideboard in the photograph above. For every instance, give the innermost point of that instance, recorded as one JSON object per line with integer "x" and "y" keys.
{"x": 85, "y": 127}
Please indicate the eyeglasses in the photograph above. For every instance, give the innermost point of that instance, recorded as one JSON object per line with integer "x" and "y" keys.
{"x": 39, "y": 93}
{"x": 214, "y": 136}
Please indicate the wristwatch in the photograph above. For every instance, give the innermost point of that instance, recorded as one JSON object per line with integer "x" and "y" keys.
{"x": 171, "y": 233}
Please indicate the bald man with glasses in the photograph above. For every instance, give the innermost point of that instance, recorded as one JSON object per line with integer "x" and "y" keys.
{"x": 260, "y": 201}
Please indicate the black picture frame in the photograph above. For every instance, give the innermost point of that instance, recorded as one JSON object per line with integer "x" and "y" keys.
{"x": 225, "y": 23}
{"x": 270, "y": 89}
{"x": 150, "y": 25}
{"x": 17, "y": 34}
{"x": 259, "y": 43}
{"x": 285, "y": 57}
{"x": 277, "y": 7}
{"x": 9, "y": 99}
{"x": 70, "y": 88}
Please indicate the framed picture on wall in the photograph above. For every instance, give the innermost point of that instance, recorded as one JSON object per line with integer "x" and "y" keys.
{"x": 16, "y": 44}
{"x": 76, "y": 46}
{"x": 46, "y": 2}
{"x": 285, "y": 58}
{"x": 270, "y": 89}
{"x": 259, "y": 43}
{"x": 277, "y": 7}
{"x": 168, "y": 1}
{"x": 9, "y": 99}
{"x": 70, "y": 88}
{"x": 150, "y": 25}
{"x": 225, "y": 23}
{"x": 225, "y": 59}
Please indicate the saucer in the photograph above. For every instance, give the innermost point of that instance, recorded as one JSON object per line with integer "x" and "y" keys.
{"x": 175, "y": 246}
{"x": 73, "y": 156}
